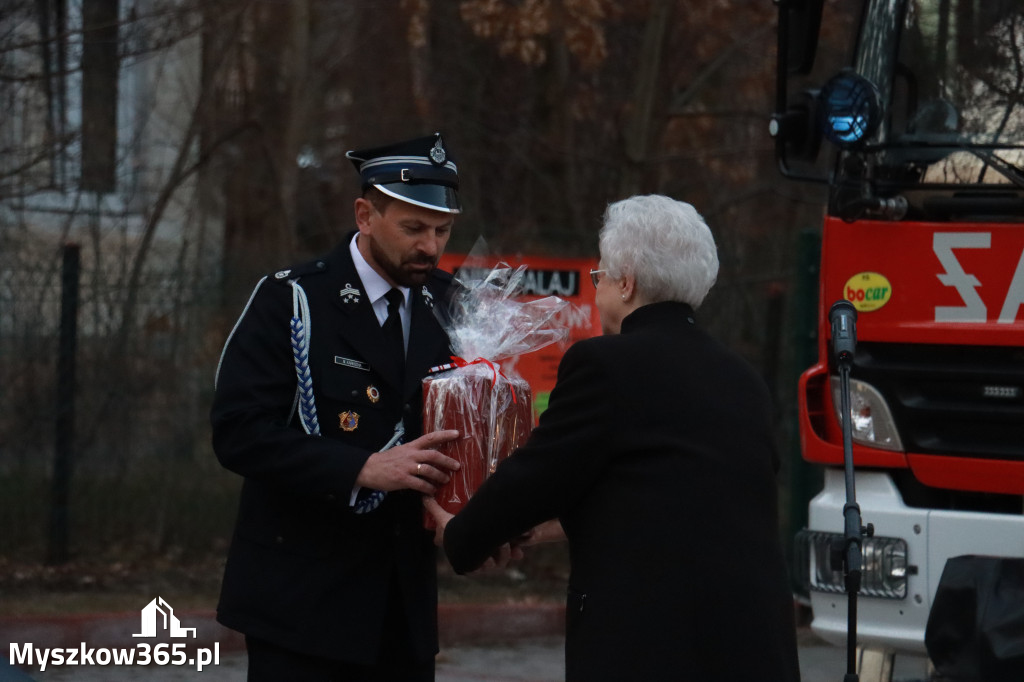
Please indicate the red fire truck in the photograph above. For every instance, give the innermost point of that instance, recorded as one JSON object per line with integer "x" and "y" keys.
{"x": 924, "y": 234}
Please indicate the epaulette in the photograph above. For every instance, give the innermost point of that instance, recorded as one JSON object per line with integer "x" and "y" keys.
{"x": 310, "y": 268}
{"x": 443, "y": 276}
{"x": 440, "y": 283}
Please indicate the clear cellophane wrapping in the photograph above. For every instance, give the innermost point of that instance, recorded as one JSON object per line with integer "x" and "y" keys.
{"x": 490, "y": 423}
{"x": 491, "y": 408}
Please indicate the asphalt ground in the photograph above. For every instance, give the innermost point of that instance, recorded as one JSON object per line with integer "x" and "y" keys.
{"x": 524, "y": 658}
{"x": 491, "y": 642}
{"x": 528, "y": 660}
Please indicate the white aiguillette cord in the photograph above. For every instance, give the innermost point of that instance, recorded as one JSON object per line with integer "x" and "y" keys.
{"x": 301, "y": 331}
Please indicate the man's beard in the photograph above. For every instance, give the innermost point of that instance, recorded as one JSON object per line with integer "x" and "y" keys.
{"x": 396, "y": 273}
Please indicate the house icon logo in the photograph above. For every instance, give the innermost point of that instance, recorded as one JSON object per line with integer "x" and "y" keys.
{"x": 158, "y": 616}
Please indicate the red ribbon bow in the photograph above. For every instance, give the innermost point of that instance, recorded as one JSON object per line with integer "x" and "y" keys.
{"x": 462, "y": 362}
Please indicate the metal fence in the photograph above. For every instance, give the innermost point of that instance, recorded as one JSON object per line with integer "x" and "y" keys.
{"x": 132, "y": 465}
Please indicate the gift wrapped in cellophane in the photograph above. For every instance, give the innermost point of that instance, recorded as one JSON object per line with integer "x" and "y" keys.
{"x": 492, "y": 408}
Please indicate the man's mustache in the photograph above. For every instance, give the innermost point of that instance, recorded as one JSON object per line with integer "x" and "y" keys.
{"x": 423, "y": 260}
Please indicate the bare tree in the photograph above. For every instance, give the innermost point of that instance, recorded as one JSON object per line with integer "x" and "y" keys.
{"x": 226, "y": 161}
{"x": 104, "y": 107}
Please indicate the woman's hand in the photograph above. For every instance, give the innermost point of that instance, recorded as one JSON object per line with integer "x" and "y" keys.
{"x": 549, "y": 531}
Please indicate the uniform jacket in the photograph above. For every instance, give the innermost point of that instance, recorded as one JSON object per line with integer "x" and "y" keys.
{"x": 656, "y": 454}
{"x": 304, "y": 571}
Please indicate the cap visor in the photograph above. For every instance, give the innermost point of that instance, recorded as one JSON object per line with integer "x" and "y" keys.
{"x": 435, "y": 197}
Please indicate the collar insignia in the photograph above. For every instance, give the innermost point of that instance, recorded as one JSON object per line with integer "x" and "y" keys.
{"x": 428, "y": 298}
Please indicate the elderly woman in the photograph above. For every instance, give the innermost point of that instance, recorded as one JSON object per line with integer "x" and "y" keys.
{"x": 656, "y": 455}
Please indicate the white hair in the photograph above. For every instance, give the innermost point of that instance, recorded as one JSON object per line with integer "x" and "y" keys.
{"x": 665, "y": 244}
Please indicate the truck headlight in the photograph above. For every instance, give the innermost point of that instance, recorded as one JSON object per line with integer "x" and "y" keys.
{"x": 884, "y": 567}
{"x": 873, "y": 424}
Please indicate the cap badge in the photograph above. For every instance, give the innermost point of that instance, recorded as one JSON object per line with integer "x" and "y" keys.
{"x": 281, "y": 274}
{"x": 350, "y": 294}
{"x": 437, "y": 153}
{"x": 428, "y": 298}
{"x": 348, "y": 421}
{"x": 373, "y": 393}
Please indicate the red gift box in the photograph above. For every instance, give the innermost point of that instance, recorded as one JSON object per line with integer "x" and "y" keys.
{"x": 493, "y": 414}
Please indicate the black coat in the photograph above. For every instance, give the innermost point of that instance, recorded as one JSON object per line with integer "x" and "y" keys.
{"x": 304, "y": 571}
{"x": 656, "y": 453}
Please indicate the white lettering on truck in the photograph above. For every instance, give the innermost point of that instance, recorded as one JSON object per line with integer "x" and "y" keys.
{"x": 966, "y": 284}
{"x": 1015, "y": 296}
{"x": 943, "y": 244}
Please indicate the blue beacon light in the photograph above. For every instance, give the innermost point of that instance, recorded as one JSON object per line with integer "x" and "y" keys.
{"x": 850, "y": 110}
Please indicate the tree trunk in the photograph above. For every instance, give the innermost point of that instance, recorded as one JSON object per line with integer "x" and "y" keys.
{"x": 639, "y": 128}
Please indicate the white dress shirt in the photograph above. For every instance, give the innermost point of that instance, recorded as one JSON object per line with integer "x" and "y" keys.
{"x": 376, "y": 287}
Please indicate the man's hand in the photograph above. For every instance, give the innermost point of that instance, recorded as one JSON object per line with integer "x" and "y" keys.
{"x": 441, "y": 518}
{"x": 413, "y": 466}
{"x": 499, "y": 559}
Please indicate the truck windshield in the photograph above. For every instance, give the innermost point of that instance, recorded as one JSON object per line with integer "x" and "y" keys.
{"x": 951, "y": 79}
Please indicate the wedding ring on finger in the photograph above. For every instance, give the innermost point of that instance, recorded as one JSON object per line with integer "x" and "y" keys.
{"x": 419, "y": 467}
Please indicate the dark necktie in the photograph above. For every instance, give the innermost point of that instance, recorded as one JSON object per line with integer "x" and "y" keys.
{"x": 368, "y": 500}
{"x": 393, "y": 327}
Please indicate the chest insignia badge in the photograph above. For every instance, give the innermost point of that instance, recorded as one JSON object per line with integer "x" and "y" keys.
{"x": 348, "y": 421}
{"x": 373, "y": 393}
{"x": 350, "y": 294}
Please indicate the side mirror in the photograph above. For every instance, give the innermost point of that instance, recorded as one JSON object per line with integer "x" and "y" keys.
{"x": 796, "y": 131}
{"x": 794, "y": 125}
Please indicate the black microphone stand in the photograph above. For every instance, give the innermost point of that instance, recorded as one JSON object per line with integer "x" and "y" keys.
{"x": 843, "y": 317}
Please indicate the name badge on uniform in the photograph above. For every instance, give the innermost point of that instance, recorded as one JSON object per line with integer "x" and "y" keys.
{"x": 349, "y": 362}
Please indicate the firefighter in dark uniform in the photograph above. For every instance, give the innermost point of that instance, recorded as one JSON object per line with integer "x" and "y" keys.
{"x": 330, "y": 574}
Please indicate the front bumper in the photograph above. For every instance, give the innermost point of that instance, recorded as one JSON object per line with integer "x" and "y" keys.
{"x": 932, "y": 536}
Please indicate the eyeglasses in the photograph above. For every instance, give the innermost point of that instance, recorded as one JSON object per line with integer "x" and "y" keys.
{"x": 595, "y": 276}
